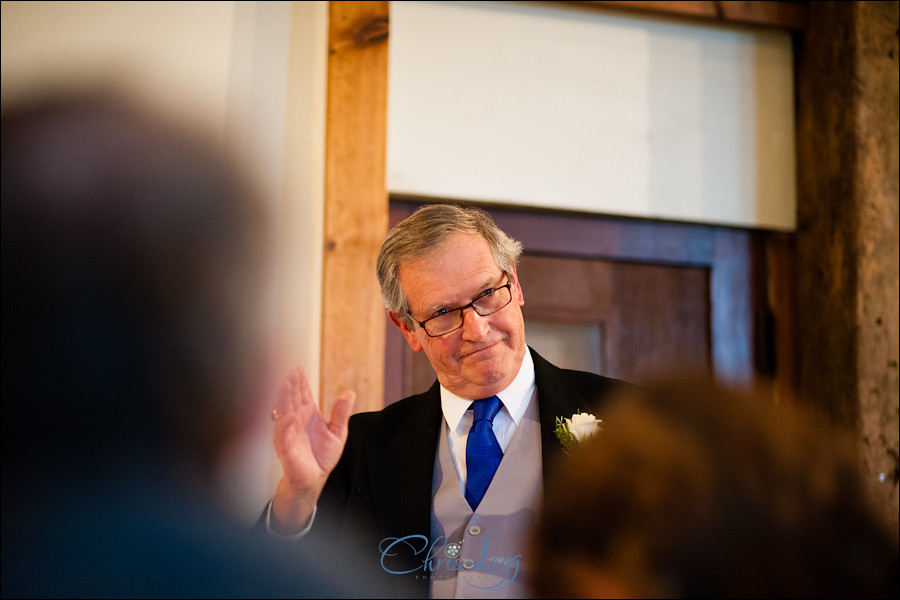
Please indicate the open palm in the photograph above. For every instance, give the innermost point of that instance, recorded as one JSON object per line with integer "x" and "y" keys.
{"x": 307, "y": 445}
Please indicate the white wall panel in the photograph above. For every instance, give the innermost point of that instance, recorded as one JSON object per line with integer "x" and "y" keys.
{"x": 578, "y": 109}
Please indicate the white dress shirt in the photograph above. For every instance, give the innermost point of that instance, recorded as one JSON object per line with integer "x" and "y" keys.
{"x": 514, "y": 398}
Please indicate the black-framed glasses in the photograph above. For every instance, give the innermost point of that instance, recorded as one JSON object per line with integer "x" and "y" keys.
{"x": 448, "y": 320}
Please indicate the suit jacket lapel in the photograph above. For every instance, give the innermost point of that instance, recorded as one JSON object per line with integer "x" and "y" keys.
{"x": 557, "y": 397}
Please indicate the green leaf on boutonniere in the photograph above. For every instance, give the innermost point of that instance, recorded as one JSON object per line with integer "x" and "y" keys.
{"x": 577, "y": 429}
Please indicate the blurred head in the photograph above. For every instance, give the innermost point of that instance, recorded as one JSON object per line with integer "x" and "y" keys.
{"x": 132, "y": 250}
{"x": 695, "y": 491}
{"x": 444, "y": 257}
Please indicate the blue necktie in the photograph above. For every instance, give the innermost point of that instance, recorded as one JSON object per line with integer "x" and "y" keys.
{"x": 483, "y": 452}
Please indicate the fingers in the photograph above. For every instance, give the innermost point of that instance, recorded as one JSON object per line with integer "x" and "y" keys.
{"x": 285, "y": 417}
{"x": 293, "y": 394}
{"x": 285, "y": 434}
{"x": 303, "y": 399}
{"x": 340, "y": 414}
{"x": 282, "y": 400}
{"x": 302, "y": 391}
{"x": 296, "y": 405}
{"x": 287, "y": 414}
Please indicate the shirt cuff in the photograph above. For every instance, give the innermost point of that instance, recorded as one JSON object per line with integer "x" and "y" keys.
{"x": 295, "y": 536}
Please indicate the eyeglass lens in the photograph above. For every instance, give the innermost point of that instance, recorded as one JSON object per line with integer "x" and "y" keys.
{"x": 484, "y": 306}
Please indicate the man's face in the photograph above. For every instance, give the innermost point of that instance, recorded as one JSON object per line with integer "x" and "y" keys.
{"x": 483, "y": 356}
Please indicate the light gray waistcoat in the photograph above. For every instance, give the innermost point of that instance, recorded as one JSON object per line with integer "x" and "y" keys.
{"x": 484, "y": 554}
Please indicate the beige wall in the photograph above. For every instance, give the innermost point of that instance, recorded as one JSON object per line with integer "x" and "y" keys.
{"x": 178, "y": 55}
{"x": 254, "y": 72}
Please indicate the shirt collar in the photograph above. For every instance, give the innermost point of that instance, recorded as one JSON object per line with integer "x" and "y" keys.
{"x": 514, "y": 398}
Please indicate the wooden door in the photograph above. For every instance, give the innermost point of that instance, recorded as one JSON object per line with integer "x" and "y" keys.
{"x": 626, "y": 298}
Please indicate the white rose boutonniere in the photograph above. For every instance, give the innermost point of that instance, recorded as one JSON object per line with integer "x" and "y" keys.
{"x": 577, "y": 429}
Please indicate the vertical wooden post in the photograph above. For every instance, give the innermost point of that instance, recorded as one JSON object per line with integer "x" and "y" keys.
{"x": 356, "y": 205}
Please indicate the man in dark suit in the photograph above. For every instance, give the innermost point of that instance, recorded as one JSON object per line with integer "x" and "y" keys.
{"x": 409, "y": 479}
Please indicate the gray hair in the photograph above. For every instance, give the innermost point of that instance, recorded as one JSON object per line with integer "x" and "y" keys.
{"x": 426, "y": 228}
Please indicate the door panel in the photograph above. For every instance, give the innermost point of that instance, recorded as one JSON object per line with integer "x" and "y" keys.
{"x": 653, "y": 317}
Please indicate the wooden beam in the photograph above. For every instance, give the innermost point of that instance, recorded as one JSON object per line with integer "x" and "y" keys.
{"x": 783, "y": 15}
{"x": 356, "y": 206}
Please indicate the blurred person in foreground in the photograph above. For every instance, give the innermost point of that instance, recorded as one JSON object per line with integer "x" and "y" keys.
{"x": 132, "y": 254}
{"x": 697, "y": 491}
